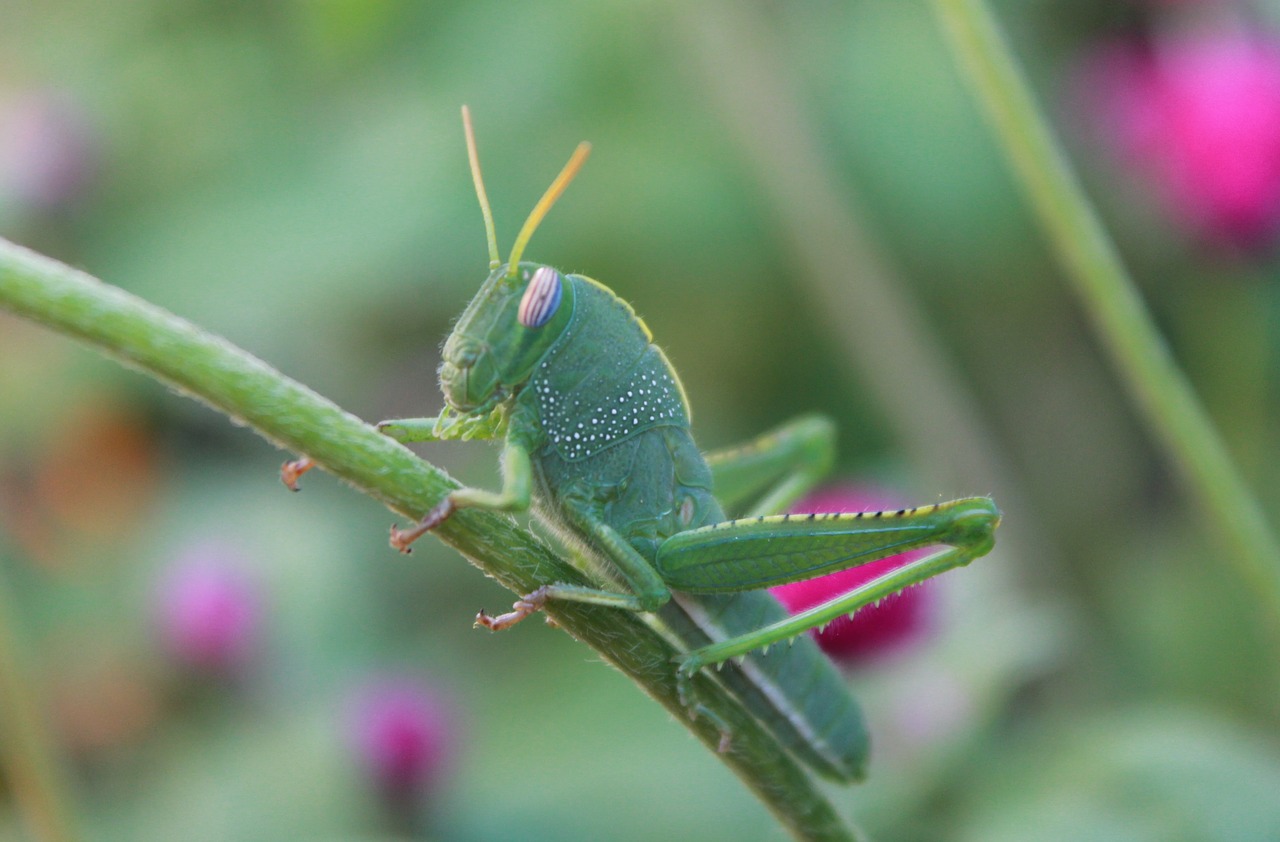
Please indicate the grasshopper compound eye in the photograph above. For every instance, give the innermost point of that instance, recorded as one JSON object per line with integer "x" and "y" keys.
{"x": 541, "y": 297}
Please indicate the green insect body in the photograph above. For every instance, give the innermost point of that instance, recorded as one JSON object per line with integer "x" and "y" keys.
{"x": 597, "y": 442}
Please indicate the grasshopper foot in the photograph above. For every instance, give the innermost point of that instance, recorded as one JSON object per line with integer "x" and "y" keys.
{"x": 522, "y": 608}
{"x": 687, "y": 666}
{"x": 696, "y": 710}
{"x": 402, "y": 538}
{"x": 291, "y": 471}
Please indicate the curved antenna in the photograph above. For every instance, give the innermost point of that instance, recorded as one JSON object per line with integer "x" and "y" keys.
{"x": 544, "y": 204}
{"x": 474, "y": 156}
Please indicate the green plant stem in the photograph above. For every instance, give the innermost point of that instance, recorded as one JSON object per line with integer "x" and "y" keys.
{"x": 27, "y": 751}
{"x": 1120, "y": 318}
{"x": 296, "y": 419}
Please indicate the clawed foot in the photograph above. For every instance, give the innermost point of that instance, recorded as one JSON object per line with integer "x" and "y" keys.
{"x": 697, "y": 710}
{"x": 291, "y": 471}
{"x": 402, "y": 538}
{"x": 687, "y": 666}
{"x": 522, "y": 608}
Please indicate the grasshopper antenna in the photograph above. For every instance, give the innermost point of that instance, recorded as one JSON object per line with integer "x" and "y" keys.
{"x": 544, "y": 204}
{"x": 474, "y": 156}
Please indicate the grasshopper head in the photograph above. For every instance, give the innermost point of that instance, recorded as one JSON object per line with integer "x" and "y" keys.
{"x": 501, "y": 335}
{"x": 519, "y": 312}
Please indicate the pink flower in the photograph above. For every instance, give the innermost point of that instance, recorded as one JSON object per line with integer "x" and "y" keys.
{"x": 402, "y": 735}
{"x": 1199, "y": 113}
{"x": 874, "y": 629}
{"x": 209, "y": 610}
{"x": 46, "y": 151}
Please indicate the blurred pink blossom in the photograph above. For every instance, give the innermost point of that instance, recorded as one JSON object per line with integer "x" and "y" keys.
{"x": 209, "y": 610}
{"x": 402, "y": 735}
{"x": 1199, "y": 113}
{"x": 874, "y": 629}
{"x": 46, "y": 151}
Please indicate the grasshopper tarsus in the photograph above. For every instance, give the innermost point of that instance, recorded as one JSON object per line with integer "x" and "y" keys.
{"x": 522, "y": 608}
{"x": 485, "y": 620}
{"x": 291, "y": 471}
{"x": 402, "y": 538}
{"x": 697, "y": 710}
{"x": 400, "y": 541}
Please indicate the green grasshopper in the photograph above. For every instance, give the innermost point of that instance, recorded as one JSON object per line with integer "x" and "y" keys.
{"x": 596, "y": 439}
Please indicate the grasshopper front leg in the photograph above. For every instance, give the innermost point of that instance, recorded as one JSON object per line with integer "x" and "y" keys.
{"x": 517, "y": 472}
{"x": 448, "y": 426}
{"x": 517, "y": 489}
{"x": 409, "y": 430}
{"x": 516, "y": 494}
{"x": 406, "y": 430}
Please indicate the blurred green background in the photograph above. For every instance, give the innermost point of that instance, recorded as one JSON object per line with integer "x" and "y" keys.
{"x": 293, "y": 176}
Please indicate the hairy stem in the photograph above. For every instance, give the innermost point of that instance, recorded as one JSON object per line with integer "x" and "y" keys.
{"x": 295, "y": 418}
{"x": 1120, "y": 318}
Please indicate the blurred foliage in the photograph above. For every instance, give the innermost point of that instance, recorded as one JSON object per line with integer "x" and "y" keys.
{"x": 292, "y": 176}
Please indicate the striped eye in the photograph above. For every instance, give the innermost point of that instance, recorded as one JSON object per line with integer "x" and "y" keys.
{"x": 541, "y": 298}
